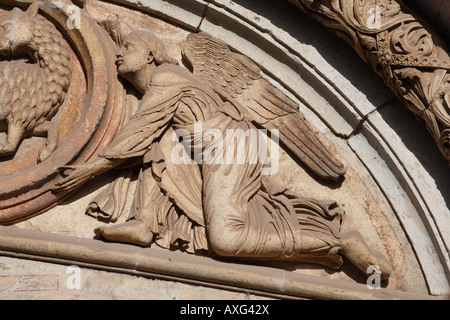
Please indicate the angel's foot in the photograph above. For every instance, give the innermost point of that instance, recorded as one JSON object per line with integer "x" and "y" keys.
{"x": 133, "y": 231}
{"x": 361, "y": 255}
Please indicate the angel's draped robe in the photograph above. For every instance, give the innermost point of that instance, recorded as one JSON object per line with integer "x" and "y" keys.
{"x": 179, "y": 201}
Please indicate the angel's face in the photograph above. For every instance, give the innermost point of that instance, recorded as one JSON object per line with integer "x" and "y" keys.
{"x": 133, "y": 56}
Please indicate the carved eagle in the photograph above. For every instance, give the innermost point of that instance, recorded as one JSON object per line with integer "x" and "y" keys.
{"x": 232, "y": 74}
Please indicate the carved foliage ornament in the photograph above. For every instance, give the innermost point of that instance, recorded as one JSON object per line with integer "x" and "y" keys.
{"x": 403, "y": 50}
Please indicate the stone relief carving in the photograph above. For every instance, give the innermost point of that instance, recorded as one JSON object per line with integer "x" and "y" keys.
{"x": 403, "y": 50}
{"x": 50, "y": 92}
{"x": 31, "y": 93}
{"x": 228, "y": 209}
{"x": 160, "y": 122}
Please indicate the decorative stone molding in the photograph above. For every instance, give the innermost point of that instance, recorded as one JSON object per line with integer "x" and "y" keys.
{"x": 435, "y": 13}
{"x": 268, "y": 282}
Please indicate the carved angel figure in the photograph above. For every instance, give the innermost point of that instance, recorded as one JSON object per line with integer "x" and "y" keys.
{"x": 228, "y": 210}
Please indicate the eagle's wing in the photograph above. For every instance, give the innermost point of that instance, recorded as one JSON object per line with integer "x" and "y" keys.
{"x": 236, "y": 76}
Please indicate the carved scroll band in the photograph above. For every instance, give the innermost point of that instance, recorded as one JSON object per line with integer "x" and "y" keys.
{"x": 409, "y": 56}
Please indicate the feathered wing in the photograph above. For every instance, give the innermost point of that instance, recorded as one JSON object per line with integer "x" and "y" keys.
{"x": 234, "y": 75}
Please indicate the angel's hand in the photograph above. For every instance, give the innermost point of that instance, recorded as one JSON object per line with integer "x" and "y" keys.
{"x": 75, "y": 177}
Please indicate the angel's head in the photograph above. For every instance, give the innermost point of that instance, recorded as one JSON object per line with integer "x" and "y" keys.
{"x": 141, "y": 51}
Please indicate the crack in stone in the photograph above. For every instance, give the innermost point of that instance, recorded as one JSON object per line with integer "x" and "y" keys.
{"x": 361, "y": 123}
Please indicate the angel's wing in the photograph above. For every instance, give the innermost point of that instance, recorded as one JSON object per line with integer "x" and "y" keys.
{"x": 235, "y": 75}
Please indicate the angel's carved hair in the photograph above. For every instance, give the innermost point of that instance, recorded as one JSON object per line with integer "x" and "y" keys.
{"x": 155, "y": 45}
